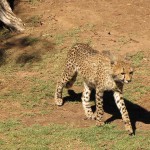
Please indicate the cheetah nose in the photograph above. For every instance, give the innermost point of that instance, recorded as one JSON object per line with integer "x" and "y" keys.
{"x": 127, "y": 81}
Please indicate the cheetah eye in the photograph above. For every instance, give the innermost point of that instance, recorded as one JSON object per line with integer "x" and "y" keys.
{"x": 130, "y": 72}
{"x": 123, "y": 73}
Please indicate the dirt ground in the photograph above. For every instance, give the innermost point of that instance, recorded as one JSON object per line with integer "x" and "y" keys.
{"x": 121, "y": 26}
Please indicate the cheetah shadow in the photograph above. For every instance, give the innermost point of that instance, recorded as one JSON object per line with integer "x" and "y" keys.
{"x": 136, "y": 112}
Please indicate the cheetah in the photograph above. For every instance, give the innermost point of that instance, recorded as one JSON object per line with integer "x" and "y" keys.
{"x": 100, "y": 71}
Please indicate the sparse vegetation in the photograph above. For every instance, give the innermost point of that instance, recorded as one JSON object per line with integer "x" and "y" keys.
{"x": 137, "y": 58}
{"x": 34, "y": 21}
{"x": 4, "y": 34}
{"x": 73, "y": 35}
{"x": 30, "y": 41}
{"x": 138, "y": 86}
{"x": 33, "y": 2}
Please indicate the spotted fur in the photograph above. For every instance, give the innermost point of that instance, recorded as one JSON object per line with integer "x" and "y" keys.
{"x": 100, "y": 71}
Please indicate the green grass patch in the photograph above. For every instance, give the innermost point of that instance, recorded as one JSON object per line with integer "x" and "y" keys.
{"x": 34, "y": 21}
{"x": 137, "y": 58}
{"x": 73, "y": 35}
{"x": 135, "y": 91}
{"x": 58, "y": 137}
{"x": 30, "y": 41}
{"x": 8, "y": 125}
{"x": 39, "y": 87}
{"x": 137, "y": 88}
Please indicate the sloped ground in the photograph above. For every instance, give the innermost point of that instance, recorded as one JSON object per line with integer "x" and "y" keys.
{"x": 32, "y": 62}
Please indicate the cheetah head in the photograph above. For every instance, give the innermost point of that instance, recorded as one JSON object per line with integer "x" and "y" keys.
{"x": 122, "y": 71}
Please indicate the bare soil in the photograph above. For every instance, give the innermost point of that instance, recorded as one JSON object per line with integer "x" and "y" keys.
{"x": 121, "y": 26}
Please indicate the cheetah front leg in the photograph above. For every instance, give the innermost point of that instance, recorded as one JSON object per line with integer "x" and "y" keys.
{"x": 121, "y": 106}
{"x": 58, "y": 93}
{"x": 86, "y": 102}
{"x": 68, "y": 78}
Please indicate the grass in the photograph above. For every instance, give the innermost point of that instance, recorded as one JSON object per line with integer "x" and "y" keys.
{"x": 32, "y": 96}
{"x": 73, "y": 35}
{"x": 5, "y": 34}
{"x": 137, "y": 88}
{"x": 137, "y": 58}
{"x": 28, "y": 41}
{"x": 123, "y": 40}
{"x": 36, "y": 87}
{"x": 34, "y": 21}
{"x": 15, "y": 135}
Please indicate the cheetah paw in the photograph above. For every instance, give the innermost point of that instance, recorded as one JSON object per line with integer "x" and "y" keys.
{"x": 129, "y": 130}
{"x": 91, "y": 116}
{"x": 99, "y": 123}
{"x": 59, "y": 101}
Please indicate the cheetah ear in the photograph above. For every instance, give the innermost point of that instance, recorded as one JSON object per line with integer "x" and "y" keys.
{"x": 113, "y": 62}
{"x": 128, "y": 57}
{"x": 113, "y": 58}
